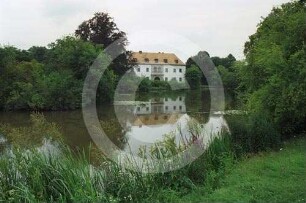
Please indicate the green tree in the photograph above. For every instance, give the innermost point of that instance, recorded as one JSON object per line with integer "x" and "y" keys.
{"x": 193, "y": 77}
{"x": 102, "y": 30}
{"x": 274, "y": 78}
{"x": 38, "y": 53}
{"x": 225, "y": 62}
{"x": 73, "y": 54}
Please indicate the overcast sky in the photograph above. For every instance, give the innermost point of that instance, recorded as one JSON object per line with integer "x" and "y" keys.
{"x": 184, "y": 27}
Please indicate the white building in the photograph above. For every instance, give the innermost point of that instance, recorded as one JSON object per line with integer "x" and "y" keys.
{"x": 159, "y": 66}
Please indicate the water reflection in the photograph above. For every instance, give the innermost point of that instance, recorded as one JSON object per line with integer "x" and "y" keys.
{"x": 149, "y": 121}
{"x": 128, "y": 123}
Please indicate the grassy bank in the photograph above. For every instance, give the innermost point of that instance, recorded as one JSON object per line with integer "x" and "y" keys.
{"x": 267, "y": 177}
{"x": 275, "y": 176}
{"x": 33, "y": 176}
{"x": 221, "y": 173}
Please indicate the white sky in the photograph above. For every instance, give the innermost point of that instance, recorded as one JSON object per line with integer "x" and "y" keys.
{"x": 184, "y": 27}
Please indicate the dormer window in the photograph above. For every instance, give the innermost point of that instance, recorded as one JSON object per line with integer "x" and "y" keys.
{"x": 165, "y": 60}
{"x": 176, "y": 61}
{"x": 156, "y": 60}
{"x": 147, "y": 60}
{"x": 134, "y": 60}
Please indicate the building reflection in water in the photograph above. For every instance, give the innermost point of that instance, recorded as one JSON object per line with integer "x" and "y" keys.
{"x": 149, "y": 121}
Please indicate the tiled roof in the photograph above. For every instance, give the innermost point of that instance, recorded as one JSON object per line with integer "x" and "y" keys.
{"x": 156, "y": 58}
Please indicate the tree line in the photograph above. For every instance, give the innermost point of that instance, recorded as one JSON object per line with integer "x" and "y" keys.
{"x": 271, "y": 79}
{"x": 51, "y": 78}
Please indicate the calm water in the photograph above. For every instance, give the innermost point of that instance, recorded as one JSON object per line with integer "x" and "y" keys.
{"x": 137, "y": 123}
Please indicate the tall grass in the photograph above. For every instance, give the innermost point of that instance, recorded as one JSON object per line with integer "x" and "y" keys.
{"x": 33, "y": 176}
{"x": 36, "y": 176}
{"x": 252, "y": 133}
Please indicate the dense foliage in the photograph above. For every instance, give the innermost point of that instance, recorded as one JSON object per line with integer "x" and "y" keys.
{"x": 274, "y": 80}
{"x": 102, "y": 30}
{"x": 53, "y": 83}
{"x": 209, "y": 68}
{"x": 193, "y": 77}
{"x": 51, "y": 78}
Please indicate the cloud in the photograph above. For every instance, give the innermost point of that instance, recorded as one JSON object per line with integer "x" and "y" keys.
{"x": 219, "y": 27}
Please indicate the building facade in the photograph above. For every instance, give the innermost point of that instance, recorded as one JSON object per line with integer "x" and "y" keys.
{"x": 159, "y": 66}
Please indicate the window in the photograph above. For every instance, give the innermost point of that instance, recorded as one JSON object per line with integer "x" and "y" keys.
{"x": 166, "y": 99}
{"x": 174, "y": 70}
{"x": 180, "y": 98}
{"x": 166, "y": 79}
{"x": 181, "y": 107}
{"x": 180, "y": 79}
{"x": 138, "y": 108}
{"x": 148, "y": 108}
{"x": 134, "y": 60}
{"x": 138, "y": 69}
{"x": 166, "y": 107}
{"x": 176, "y": 61}
{"x": 156, "y": 60}
{"x": 166, "y": 70}
{"x": 180, "y": 70}
{"x": 174, "y": 107}
{"x": 147, "y": 60}
{"x": 148, "y": 70}
{"x": 165, "y": 60}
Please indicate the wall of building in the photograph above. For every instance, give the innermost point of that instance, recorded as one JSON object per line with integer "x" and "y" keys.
{"x": 169, "y": 71}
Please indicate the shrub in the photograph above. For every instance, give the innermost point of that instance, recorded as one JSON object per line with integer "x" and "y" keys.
{"x": 145, "y": 85}
{"x": 252, "y": 133}
{"x": 160, "y": 85}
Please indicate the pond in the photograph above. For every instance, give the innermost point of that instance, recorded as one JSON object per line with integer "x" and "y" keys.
{"x": 132, "y": 124}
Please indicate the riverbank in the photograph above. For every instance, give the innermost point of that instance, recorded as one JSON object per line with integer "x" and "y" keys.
{"x": 53, "y": 172}
{"x": 266, "y": 177}
{"x": 271, "y": 176}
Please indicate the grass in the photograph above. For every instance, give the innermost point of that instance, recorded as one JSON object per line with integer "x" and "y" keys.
{"x": 32, "y": 175}
{"x": 267, "y": 177}
{"x": 222, "y": 173}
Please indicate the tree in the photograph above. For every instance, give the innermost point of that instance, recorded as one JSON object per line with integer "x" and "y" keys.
{"x": 203, "y": 62}
{"x": 102, "y": 30}
{"x": 225, "y": 62}
{"x": 72, "y": 54}
{"x": 274, "y": 78}
{"x": 38, "y": 53}
{"x": 193, "y": 77}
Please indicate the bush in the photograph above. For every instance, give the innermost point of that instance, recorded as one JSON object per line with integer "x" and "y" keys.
{"x": 252, "y": 133}
{"x": 145, "y": 85}
{"x": 160, "y": 85}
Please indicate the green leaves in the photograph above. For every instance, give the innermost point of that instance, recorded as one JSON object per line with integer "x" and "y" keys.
{"x": 274, "y": 78}
{"x": 193, "y": 76}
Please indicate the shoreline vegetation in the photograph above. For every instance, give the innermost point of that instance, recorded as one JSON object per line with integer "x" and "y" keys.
{"x": 260, "y": 160}
{"x": 60, "y": 175}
